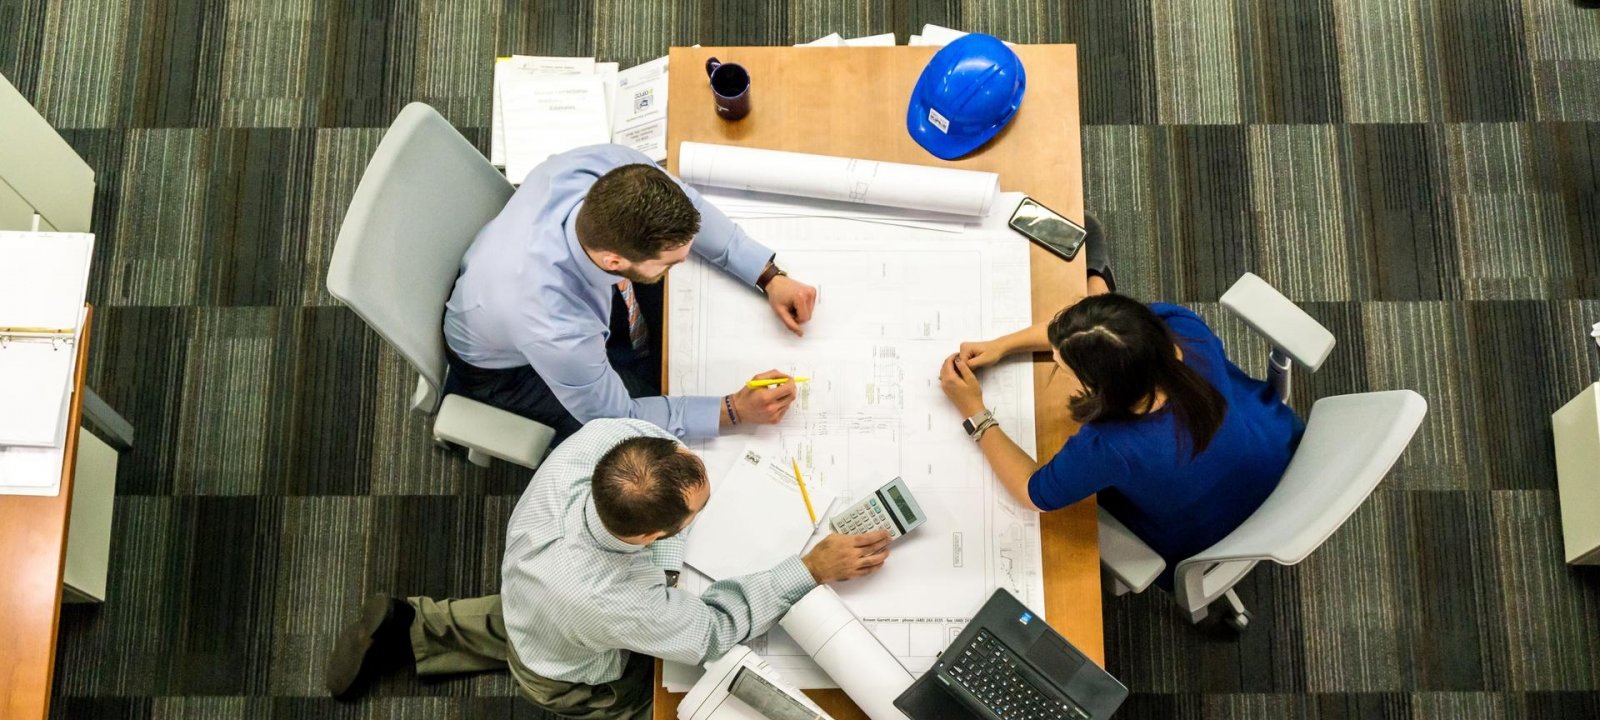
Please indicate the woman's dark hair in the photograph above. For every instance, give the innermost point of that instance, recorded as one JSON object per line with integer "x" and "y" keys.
{"x": 1123, "y": 353}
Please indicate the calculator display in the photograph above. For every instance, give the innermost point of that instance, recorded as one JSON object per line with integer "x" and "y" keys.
{"x": 899, "y": 503}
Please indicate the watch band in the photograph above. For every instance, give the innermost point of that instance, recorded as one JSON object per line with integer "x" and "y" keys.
{"x": 978, "y": 424}
{"x": 772, "y": 272}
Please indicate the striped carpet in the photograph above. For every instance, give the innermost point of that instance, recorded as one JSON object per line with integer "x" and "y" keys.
{"x": 1424, "y": 175}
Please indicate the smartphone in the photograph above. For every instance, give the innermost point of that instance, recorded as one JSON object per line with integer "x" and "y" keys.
{"x": 1048, "y": 228}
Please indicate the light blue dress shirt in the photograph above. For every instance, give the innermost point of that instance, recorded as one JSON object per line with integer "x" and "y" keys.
{"x": 529, "y": 295}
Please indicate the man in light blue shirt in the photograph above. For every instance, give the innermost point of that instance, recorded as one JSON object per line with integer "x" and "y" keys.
{"x": 556, "y": 313}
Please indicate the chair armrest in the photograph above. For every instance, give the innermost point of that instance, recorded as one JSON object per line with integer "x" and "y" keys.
{"x": 1280, "y": 321}
{"x": 1126, "y": 557}
{"x": 492, "y": 431}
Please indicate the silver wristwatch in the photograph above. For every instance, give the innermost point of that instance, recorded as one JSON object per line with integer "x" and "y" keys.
{"x": 979, "y": 424}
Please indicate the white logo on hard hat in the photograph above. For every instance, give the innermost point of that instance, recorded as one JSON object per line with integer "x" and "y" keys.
{"x": 938, "y": 121}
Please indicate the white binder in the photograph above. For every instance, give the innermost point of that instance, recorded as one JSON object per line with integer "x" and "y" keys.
{"x": 43, "y": 280}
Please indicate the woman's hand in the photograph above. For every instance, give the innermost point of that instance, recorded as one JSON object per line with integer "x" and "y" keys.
{"x": 982, "y": 354}
{"x": 961, "y": 386}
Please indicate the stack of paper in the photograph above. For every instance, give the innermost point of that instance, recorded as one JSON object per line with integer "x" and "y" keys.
{"x": 936, "y": 35}
{"x": 835, "y": 40}
{"x": 547, "y": 105}
{"x": 41, "y": 319}
{"x": 755, "y": 518}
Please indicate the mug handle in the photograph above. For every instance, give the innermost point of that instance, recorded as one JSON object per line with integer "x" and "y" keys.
{"x": 711, "y": 65}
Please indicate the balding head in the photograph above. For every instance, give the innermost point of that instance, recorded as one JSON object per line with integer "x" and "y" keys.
{"x": 643, "y": 486}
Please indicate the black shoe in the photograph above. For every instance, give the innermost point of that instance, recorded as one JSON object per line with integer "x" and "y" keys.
{"x": 376, "y": 643}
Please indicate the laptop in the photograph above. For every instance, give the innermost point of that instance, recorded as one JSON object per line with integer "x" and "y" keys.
{"x": 1009, "y": 665}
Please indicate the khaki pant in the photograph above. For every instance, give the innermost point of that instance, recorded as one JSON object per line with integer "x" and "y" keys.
{"x": 469, "y": 635}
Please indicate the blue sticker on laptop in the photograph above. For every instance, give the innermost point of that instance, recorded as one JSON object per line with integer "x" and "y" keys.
{"x": 1026, "y": 618}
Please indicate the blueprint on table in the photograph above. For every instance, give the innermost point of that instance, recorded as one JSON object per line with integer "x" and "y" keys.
{"x": 893, "y": 303}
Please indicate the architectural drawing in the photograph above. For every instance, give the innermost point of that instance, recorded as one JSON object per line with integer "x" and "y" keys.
{"x": 893, "y": 303}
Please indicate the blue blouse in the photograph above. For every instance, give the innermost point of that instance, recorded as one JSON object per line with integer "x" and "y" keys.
{"x": 1146, "y": 478}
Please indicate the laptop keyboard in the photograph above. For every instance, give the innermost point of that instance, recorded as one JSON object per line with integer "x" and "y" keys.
{"x": 989, "y": 670}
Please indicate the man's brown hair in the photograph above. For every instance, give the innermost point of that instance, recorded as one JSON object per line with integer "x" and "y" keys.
{"x": 637, "y": 211}
{"x": 641, "y": 486}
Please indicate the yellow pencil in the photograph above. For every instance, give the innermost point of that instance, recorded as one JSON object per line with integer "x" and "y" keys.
{"x": 774, "y": 381}
{"x": 803, "y": 494}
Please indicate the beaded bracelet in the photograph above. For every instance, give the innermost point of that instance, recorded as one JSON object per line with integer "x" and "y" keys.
{"x": 727, "y": 402}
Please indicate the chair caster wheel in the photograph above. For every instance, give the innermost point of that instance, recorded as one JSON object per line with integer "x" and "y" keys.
{"x": 1239, "y": 622}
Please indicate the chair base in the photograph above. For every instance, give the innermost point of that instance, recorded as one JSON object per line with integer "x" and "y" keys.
{"x": 1232, "y": 613}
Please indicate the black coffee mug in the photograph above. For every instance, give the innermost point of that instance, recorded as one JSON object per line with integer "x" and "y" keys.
{"x": 730, "y": 88}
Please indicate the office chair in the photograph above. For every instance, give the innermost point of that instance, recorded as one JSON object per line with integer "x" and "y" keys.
{"x": 423, "y": 198}
{"x": 1350, "y": 443}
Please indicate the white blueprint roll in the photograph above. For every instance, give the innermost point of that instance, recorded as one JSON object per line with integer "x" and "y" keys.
{"x": 822, "y": 626}
{"x": 870, "y": 182}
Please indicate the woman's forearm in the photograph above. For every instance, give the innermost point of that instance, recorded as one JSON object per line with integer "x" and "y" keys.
{"x": 1031, "y": 339}
{"x": 1011, "y": 464}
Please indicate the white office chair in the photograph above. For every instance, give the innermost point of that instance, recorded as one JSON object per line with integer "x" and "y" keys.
{"x": 423, "y": 198}
{"x": 1350, "y": 443}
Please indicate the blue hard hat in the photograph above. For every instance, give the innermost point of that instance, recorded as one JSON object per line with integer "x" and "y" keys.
{"x": 969, "y": 90}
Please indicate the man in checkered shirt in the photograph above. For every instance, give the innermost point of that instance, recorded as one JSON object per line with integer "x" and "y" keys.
{"x": 587, "y": 597}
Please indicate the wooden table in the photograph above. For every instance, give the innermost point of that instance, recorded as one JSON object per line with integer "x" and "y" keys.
{"x": 33, "y": 550}
{"x": 852, "y": 102}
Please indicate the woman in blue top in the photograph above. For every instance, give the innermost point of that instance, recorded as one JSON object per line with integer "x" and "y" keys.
{"x": 1179, "y": 443}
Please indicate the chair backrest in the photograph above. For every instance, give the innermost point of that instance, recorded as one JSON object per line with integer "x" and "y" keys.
{"x": 1350, "y": 443}
{"x": 1279, "y": 320}
{"x": 423, "y": 198}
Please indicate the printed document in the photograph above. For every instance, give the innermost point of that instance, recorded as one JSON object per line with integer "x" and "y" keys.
{"x": 639, "y": 110}
{"x": 756, "y": 516}
{"x": 546, "y": 115}
{"x": 524, "y": 65}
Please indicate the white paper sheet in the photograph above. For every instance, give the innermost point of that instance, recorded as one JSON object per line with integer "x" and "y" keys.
{"x": 524, "y": 65}
{"x": 31, "y": 470}
{"x": 43, "y": 279}
{"x": 545, "y": 115}
{"x": 639, "y": 110}
{"x": 894, "y": 302}
{"x": 35, "y": 382}
{"x": 938, "y": 35}
{"x": 608, "y": 72}
{"x": 755, "y": 517}
{"x": 883, "y": 40}
{"x": 829, "y": 40}
{"x": 918, "y": 187}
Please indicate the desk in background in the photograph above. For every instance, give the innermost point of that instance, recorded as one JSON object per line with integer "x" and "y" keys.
{"x": 852, "y": 102}
{"x": 45, "y": 185}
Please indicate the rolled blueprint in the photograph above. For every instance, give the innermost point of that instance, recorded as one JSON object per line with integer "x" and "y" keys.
{"x": 822, "y": 626}
{"x": 869, "y": 182}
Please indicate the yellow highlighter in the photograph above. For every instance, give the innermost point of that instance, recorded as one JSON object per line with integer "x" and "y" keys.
{"x": 769, "y": 382}
{"x": 803, "y": 494}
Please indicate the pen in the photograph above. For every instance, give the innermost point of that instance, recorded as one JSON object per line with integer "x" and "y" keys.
{"x": 774, "y": 381}
{"x": 803, "y": 494}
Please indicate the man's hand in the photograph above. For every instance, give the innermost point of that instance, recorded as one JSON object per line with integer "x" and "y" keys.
{"x": 763, "y": 405}
{"x": 793, "y": 302}
{"x": 961, "y": 386}
{"x": 843, "y": 557}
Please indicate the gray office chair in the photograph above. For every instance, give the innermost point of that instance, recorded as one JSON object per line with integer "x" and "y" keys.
{"x": 423, "y": 198}
{"x": 1350, "y": 443}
